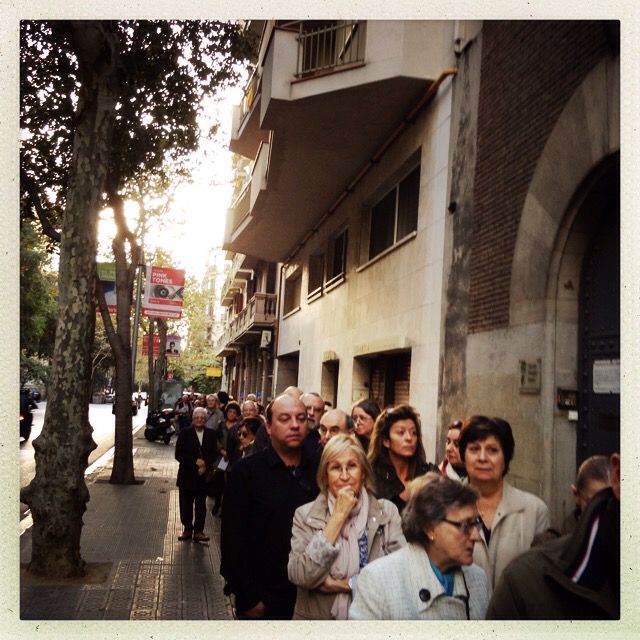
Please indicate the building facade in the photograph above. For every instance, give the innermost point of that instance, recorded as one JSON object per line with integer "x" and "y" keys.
{"x": 438, "y": 203}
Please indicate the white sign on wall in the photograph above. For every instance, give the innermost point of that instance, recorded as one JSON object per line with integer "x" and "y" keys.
{"x": 606, "y": 376}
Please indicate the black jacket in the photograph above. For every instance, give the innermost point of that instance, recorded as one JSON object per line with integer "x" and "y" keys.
{"x": 543, "y": 583}
{"x": 188, "y": 450}
{"x": 260, "y": 499}
{"x": 389, "y": 486}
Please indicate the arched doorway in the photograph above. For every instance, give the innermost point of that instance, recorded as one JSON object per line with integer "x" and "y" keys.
{"x": 599, "y": 320}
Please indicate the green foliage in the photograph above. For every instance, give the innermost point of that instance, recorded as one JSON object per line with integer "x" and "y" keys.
{"x": 33, "y": 369}
{"x": 38, "y": 295}
{"x": 202, "y": 384}
{"x": 166, "y": 67}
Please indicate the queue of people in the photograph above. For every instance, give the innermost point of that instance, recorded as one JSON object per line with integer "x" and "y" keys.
{"x": 334, "y": 515}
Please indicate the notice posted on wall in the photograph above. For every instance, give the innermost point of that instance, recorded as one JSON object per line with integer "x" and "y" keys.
{"x": 606, "y": 376}
{"x": 164, "y": 293}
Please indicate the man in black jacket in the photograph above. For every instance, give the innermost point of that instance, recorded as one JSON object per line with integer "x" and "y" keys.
{"x": 196, "y": 452}
{"x": 262, "y": 494}
{"x": 576, "y": 577}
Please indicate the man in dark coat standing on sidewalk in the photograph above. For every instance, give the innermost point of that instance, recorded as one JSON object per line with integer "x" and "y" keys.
{"x": 196, "y": 453}
{"x": 576, "y": 577}
{"x": 262, "y": 494}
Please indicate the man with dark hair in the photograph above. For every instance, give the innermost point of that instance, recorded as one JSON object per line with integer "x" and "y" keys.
{"x": 576, "y": 577}
{"x": 262, "y": 494}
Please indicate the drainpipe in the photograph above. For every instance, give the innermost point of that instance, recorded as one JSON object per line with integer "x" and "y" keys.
{"x": 375, "y": 158}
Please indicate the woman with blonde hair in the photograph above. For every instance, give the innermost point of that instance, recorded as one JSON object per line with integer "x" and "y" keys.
{"x": 337, "y": 534}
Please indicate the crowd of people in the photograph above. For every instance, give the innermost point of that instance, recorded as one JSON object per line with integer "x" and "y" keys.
{"x": 328, "y": 514}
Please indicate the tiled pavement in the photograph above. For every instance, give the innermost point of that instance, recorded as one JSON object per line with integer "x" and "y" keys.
{"x": 132, "y": 531}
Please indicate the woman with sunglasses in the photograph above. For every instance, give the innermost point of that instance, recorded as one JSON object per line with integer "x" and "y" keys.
{"x": 433, "y": 577}
{"x": 396, "y": 454}
{"x": 247, "y": 430}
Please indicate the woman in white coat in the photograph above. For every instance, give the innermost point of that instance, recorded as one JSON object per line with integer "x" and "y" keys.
{"x": 433, "y": 577}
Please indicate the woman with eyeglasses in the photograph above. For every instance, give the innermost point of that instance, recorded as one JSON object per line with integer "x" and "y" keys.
{"x": 396, "y": 454}
{"x": 433, "y": 577}
{"x": 247, "y": 430}
{"x": 452, "y": 465}
{"x": 364, "y": 414}
{"x": 511, "y": 518}
{"x": 344, "y": 529}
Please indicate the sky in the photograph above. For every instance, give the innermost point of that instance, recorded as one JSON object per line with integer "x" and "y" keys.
{"x": 194, "y": 223}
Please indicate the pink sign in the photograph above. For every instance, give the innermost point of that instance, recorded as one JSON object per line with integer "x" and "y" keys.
{"x": 163, "y": 293}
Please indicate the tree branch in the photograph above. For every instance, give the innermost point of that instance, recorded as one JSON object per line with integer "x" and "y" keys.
{"x": 47, "y": 228}
{"x": 110, "y": 330}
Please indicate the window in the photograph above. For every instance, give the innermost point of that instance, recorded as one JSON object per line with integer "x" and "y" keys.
{"x": 395, "y": 216}
{"x": 338, "y": 261}
{"x": 316, "y": 275}
{"x": 292, "y": 293}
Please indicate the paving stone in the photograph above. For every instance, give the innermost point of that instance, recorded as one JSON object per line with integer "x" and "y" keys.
{"x": 154, "y": 575}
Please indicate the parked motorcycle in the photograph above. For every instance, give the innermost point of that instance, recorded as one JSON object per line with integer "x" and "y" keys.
{"x": 26, "y": 418}
{"x": 159, "y": 425}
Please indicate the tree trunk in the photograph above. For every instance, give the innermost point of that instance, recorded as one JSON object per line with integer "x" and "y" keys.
{"x": 58, "y": 494}
{"x": 120, "y": 340}
{"x": 161, "y": 362}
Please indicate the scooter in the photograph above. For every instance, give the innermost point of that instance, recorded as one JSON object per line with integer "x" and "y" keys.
{"x": 159, "y": 425}
{"x": 26, "y": 418}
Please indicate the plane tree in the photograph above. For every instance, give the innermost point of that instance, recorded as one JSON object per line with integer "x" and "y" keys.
{"x": 105, "y": 107}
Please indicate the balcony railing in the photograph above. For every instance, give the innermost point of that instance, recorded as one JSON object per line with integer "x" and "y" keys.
{"x": 329, "y": 47}
{"x": 261, "y": 310}
{"x": 250, "y": 94}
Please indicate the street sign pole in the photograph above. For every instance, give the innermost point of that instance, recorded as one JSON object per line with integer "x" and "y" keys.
{"x": 136, "y": 319}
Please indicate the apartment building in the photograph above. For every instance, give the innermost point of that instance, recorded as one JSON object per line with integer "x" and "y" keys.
{"x": 437, "y": 203}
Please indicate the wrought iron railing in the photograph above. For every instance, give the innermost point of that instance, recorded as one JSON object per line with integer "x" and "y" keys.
{"x": 329, "y": 47}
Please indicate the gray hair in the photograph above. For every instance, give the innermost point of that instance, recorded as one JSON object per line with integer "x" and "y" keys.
{"x": 199, "y": 410}
{"x": 430, "y": 497}
{"x": 338, "y": 445}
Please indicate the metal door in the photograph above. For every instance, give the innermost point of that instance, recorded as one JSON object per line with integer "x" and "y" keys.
{"x": 599, "y": 331}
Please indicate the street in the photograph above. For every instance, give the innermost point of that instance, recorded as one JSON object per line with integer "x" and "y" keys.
{"x": 102, "y": 421}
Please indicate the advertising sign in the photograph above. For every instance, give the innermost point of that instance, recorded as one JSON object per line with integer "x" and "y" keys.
{"x": 107, "y": 277}
{"x": 163, "y": 293}
{"x": 173, "y": 347}
{"x": 145, "y": 344}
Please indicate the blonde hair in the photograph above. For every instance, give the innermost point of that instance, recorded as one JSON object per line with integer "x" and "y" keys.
{"x": 336, "y": 446}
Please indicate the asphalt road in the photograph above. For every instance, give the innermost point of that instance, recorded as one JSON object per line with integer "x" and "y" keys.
{"x": 103, "y": 423}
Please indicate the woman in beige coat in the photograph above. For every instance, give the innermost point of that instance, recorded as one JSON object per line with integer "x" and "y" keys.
{"x": 337, "y": 534}
{"x": 510, "y": 518}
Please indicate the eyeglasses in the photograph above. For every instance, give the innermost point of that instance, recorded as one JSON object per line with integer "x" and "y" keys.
{"x": 465, "y": 527}
{"x": 243, "y": 434}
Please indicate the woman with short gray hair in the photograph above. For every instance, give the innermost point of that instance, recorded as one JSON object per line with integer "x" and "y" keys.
{"x": 433, "y": 577}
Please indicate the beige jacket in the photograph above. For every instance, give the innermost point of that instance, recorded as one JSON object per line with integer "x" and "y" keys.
{"x": 311, "y": 554}
{"x": 519, "y": 518}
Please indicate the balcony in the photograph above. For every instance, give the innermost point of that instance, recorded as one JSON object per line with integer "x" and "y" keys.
{"x": 241, "y": 269}
{"x": 246, "y": 326}
{"x": 329, "y": 96}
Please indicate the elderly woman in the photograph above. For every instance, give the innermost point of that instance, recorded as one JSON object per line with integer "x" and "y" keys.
{"x": 196, "y": 452}
{"x": 511, "y": 518}
{"x": 433, "y": 577}
{"x": 364, "y": 414}
{"x": 339, "y": 533}
{"x": 452, "y": 465}
{"x": 396, "y": 454}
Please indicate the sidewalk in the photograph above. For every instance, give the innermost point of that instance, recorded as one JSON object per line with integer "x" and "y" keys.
{"x": 138, "y": 569}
